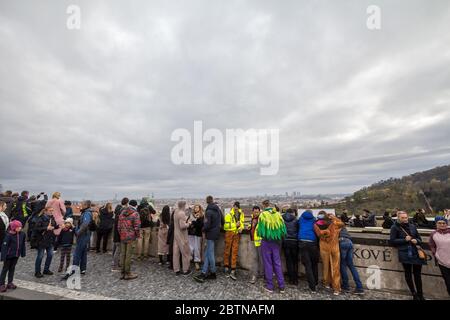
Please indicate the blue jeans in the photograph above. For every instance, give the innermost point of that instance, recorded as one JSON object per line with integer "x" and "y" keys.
{"x": 48, "y": 259}
{"x": 210, "y": 260}
{"x": 346, "y": 248}
{"x": 81, "y": 250}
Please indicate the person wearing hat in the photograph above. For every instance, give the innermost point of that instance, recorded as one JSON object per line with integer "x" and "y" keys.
{"x": 65, "y": 242}
{"x": 13, "y": 247}
{"x": 439, "y": 242}
{"x": 234, "y": 224}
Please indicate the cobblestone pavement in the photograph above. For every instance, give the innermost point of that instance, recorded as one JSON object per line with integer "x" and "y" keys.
{"x": 158, "y": 282}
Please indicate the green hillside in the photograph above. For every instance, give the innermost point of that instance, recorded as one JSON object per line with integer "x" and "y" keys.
{"x": 408, "y": 193}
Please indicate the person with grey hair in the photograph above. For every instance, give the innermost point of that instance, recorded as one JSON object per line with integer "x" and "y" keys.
{"x": 83, "y": 239}
{"x": 181, "y": 240}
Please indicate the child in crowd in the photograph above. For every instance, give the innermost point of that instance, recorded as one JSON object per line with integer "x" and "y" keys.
{"x": 13, "y": 247}
{"x": 65, "y": 242}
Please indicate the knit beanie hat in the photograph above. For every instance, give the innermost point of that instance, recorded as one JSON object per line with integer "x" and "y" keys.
{"x": 440, "y": 218}
{"x": 14, "y": 225}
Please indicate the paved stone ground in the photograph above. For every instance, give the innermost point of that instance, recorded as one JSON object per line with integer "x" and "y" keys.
{"x": 158, "y": 282}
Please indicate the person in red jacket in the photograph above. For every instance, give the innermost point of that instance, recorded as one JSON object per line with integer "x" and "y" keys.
{"x": 128, "y": 227}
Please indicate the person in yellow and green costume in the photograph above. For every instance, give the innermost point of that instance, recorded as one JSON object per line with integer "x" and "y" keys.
{"x": 272, "y": 230}
{"x": 234, "y": 225}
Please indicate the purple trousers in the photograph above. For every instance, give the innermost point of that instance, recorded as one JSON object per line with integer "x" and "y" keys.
{"x": 270, "y": 251}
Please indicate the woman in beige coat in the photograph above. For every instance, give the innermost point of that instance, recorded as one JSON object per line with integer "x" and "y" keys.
{"x": 181, "y": 240}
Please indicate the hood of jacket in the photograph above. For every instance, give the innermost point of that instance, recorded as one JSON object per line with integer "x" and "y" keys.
{"x": 288, "y": 217}
{"x": 307, "y": 215}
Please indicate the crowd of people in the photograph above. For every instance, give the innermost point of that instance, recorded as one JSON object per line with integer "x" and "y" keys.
{"x": 188, "y": 237}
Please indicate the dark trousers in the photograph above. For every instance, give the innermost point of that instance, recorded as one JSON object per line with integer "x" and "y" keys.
{"x": 290, "y": 248}
{"x": 415, "y": 286}
{"x": 66, "y": 252}
{"x": 9, "y": 266}
{"x": 446, "y": 275}
{"x": 309, "y": 252}
{"x": 103, "y": 234}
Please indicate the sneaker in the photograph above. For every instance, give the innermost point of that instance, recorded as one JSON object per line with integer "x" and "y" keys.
{"x": 336, "y": 293}
{"x": 115, "y": 270}
{"x": 346, "y": 289}
{"x": 253, "y": 280}
{"x": 177, "y": 273}
{"x": 83, "y": 272}
{"x": 227, "y": 272}
{"x": 48, "y": 273}
{"x": 211, "y": 276}
{"x": 160, "y": 263}
{"x": 40, "y": 275}
{"x": 187, "y": 272}
{"x": 201, "y": 277}
{"x": 313, "y": 291}
{"x": 359, "y": 292}
{"x": 3, "y": 288}
{"x": 282, "y": 290}
{"x": 268, "y": 290}
{"x": 233, "y": 275}
{"x": 130, "y": 276}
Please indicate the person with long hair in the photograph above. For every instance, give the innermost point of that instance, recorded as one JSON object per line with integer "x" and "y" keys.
{"x": 105, "y": 226}
{"x": 181, "y": 241}
{"x": 59, "y": 210}
{"x": 163, "y": 247}
{"x": 195, "y": 234}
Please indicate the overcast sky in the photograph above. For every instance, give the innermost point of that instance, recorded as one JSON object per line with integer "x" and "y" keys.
{"x": 90, "y": 112}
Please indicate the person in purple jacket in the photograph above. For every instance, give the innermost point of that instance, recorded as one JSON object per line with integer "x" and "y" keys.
{"x": 13, "y": 247}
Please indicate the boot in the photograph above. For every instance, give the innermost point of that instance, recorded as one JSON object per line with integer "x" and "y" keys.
{"x": 11, "y": 286}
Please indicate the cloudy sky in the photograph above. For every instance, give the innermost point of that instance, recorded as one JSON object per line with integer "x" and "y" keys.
{"x": 90, "y": 112}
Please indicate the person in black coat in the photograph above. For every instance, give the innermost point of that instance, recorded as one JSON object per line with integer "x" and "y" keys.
{"x": 388, "y": 222}
{"x": 290, "y": 246}
{"x": 105, "y": 227}
{"x": 405, "y": 237}
{"x": 65, "y": 241}
{"x": 212, "y": 224}
{"x": 170, "y": 238}
{"x": 116, "y": 239}
{"x": 43, "y": 238}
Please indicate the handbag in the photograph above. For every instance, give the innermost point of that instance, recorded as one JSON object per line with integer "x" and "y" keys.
{"x": 420, "y": 252}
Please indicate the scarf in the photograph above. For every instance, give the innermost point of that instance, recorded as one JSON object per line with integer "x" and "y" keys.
{"x": 5, "y": 219}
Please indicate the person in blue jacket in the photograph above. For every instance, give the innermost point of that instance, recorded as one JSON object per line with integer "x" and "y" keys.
{"x": 309, "y": 248}
{"x": 13, "y": 247}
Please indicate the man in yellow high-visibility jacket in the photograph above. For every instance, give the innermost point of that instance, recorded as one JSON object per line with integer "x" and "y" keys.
{"x": 234, "y": 224}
